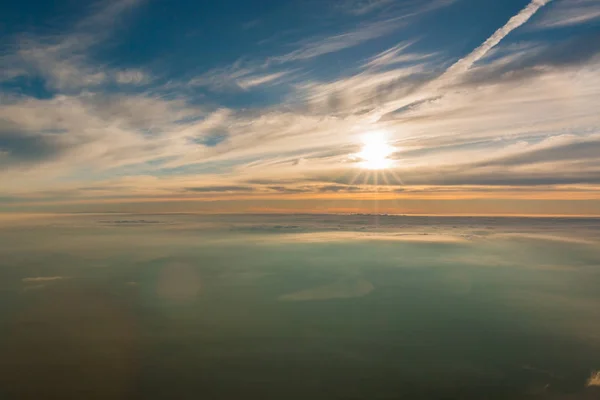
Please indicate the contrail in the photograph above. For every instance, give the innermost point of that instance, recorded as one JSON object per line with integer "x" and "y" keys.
{"x": 467, "y": 62}
{"x": 431, "y": 89}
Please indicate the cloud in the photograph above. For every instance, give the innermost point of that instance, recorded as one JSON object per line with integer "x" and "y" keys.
{"x": 38, "y": 279}
{"x": 69, "y": 131}
{"x": 63, "y": 60}
{"x": 570, "y": 13}
{"x": 361, "y": 7}
{"x": 257, "y": 80}
{"x": 290, "y": 190}
{"x": 216, "y": 189}
{"x": 362, "y": 231}
{"x": 332, "y": 44}
{"x": 339, "y": 188}
{"x": 19, "y": 147}
{"x": 396, "y": 55}
{"x": 551, "y": 150}
{"x": 105, "y": 12}
{"x": 365, "y": 92}
{"x": 59, "y": 62}
{"x": 540, "y": 236}
{"x": 131, "y": 222}
{"x": 431, "y": 89}
{"x": 266, "y": 228}
{"x": 239, "y": 76}
{"x": 344, "y": 289}
{"x": 501, "y": 120}
{"x": 465, "y": 63}
{"x": 538, "y": 60}
{"x": 132, "y": 77}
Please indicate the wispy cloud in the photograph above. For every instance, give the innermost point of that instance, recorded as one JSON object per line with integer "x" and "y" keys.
{"x": 430, "y": 91}
{"x": 132, "y": 76}
{"x": 570, "y": 13}
{"x": 239, "y": 76}
{"x": 409, "y": 79}
{"x": 67, "y": 132}
{"x": 220, "y": 189}
{"x": 39, "y": 279}
{"x": 465, "y": 63}
{"x": 257, "y": 80}
{"x": 396, "y": 55}
{"x": 63, "y": 60}
{"x": 339, "y": 290}
{"x": 331, "y": 44}
{"x": 105, "y": 12}
{"x": 361, "y": 7}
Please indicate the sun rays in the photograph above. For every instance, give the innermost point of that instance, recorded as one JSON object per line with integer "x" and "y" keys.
{"x": 375, "y": 151}
{"x": 375, "y": 164}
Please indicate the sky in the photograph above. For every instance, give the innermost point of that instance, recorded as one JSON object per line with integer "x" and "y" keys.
{"x": 476, "y": 106}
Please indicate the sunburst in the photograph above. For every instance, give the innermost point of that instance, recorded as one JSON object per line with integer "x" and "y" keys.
{"x": 375, "y": 151}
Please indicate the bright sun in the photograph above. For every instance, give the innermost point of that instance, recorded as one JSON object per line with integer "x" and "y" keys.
{"x": 375, "y": 151}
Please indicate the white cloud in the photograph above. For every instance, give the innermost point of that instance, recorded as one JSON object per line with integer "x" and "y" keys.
{"x": 93, "y": 131}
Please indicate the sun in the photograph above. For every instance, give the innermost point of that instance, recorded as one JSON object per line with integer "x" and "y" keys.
{"x": 375, "y": 151}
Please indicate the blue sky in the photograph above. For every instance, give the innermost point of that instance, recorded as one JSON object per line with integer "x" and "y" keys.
{"x": 148, "y": 100}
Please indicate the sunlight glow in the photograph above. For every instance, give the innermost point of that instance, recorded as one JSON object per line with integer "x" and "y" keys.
{"x": 375, "y": 151}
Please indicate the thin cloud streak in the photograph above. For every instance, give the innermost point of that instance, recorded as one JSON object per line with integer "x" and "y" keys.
{"x": 570, "y": 13}
{"x": 340, "y": 42}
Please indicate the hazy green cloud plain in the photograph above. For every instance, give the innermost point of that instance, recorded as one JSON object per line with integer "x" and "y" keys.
{"x": 299, "y": 306}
